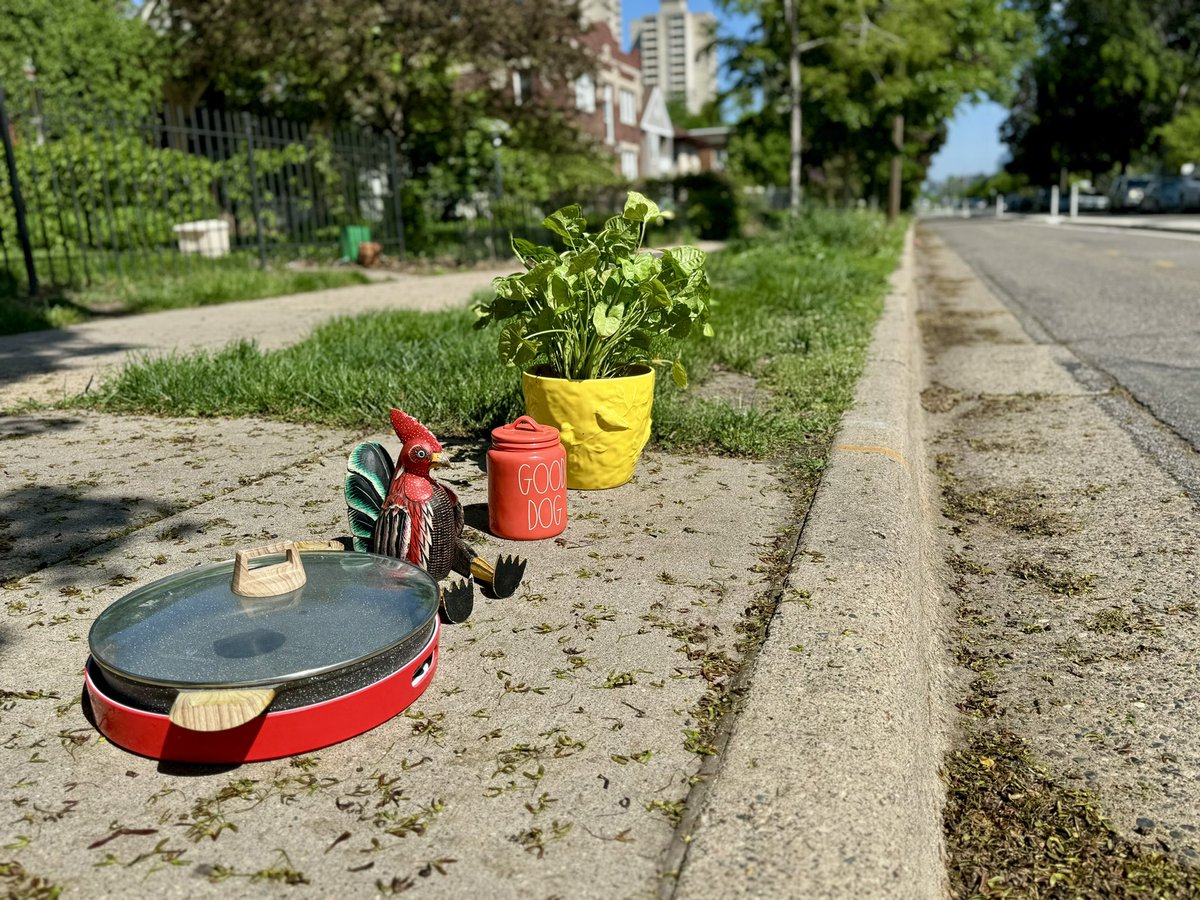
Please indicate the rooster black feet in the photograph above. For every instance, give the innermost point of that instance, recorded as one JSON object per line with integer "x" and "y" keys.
{"x": 458, "y": 599}
{"x": 508, "y": 572}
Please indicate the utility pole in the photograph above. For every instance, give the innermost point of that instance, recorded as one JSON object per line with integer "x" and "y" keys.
{"x": 897, "y": 170}
{"x": 789, "y": 15}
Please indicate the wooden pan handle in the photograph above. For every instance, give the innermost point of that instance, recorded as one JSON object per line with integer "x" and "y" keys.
{"x": 309, "y": 546}
{"x": 219, "y": 710}
{"x": 268, "y": 581}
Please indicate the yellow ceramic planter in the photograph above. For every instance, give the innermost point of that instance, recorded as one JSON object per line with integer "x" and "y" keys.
{"x": 604, "y": 423}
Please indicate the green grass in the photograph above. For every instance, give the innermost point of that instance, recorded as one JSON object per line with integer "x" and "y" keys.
{"x": 793, "y": 310}
{"x": 146, "y": 290}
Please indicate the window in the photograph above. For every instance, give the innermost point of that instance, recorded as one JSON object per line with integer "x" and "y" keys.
{"x": 585, "y": 94}
{"x": 522, "y": 85}
{"x": 629, "y": 164}
{"x": 628, "y": 107}
{"x": 609, "y": 131}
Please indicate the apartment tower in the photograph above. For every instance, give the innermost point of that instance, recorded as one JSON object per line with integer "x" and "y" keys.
{"x": 677, "y": 54}
{"x": 606, "y": 11}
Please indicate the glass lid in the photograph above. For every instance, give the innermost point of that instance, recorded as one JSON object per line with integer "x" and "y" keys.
{"x": 192, "y": 629}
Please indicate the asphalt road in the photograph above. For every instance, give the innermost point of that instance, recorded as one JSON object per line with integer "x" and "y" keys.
{"x": 1127, "y": 304}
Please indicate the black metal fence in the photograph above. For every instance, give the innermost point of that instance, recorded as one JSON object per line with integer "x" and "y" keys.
{"x": 89, "y": 194}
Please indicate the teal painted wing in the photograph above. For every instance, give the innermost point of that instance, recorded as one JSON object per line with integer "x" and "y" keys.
{"x": 368, "y": 476}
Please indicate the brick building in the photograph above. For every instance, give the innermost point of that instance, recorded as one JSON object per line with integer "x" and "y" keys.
{"x": 608, "y": 104}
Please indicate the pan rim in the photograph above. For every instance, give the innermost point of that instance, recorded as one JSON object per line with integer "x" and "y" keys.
{"x": 289, "y": 681}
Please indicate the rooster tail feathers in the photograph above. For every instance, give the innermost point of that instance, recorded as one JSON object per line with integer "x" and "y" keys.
{"x": 368, "y": 475}
{"x": 370, "y": 460}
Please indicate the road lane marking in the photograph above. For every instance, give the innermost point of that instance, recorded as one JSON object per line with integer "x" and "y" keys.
{"x": 1164, "y": 263}
{"x": 1112, "y": 252}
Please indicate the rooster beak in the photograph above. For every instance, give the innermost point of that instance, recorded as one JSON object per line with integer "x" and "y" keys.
{"x": 436, "y": 460}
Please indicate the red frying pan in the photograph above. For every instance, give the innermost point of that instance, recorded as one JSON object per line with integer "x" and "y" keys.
{"x": 231, "y": 662}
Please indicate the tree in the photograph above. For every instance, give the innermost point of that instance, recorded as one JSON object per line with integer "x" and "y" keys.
{"x": 1110, "y": 75}
{"x": 391, "y": 64}
{"x": 866, "y": 64}
{"x": 708, "y": 116}
{"x": 1180, "y": 139}
{"x": 432, "y": 72}
{"x": 97, "y": 51}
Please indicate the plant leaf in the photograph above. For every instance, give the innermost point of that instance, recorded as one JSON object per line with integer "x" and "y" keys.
{"x": 679, "y": 374}
{"x": 641, "y": 268}
{"x": 515, "y": 349}
{"x": 584, "y": 260}
{"x": 558, "y": 291}
{"x": 567, "y": 222}
{"x": 531, "y": 254}
{"x": 656, "y": 292}
{"x": 639, "y": 208}
{"x": 607, "y": 319}
{"x": 690, "y": 259}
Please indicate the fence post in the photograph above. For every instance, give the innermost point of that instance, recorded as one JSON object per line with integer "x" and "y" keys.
{"x": 18, "y": 200}
{"x": 248, "y": 122}
{"x": 396, "y": 202}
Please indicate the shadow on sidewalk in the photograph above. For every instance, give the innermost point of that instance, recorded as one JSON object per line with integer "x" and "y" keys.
{"x": 43, "y": 352}
{"x": 42, "y": 525}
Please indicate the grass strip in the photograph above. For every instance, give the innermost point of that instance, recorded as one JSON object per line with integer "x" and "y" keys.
{"x": 146, "y": 291}
{"x": 793, "y": 310}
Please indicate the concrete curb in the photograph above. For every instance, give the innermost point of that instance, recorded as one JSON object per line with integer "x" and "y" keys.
{"x": 829, "y": 785}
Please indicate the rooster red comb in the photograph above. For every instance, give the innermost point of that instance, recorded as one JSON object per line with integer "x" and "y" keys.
{"x": 409, "y": 429}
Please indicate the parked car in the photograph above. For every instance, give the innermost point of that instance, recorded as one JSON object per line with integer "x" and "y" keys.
{"x": 1172, "y": 193}
{"x": 1091, "y": 201}
{"x": 1020, "y": 203}
{"x": 1128, "y": 192}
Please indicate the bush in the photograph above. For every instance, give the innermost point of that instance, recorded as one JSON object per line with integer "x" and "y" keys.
{"x": 705, "y": 204}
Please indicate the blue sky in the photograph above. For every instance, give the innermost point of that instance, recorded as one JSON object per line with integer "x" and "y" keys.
{"x": 973, "y": 145}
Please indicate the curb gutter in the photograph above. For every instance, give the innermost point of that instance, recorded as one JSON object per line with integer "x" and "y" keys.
{"x": 829, "y": 784}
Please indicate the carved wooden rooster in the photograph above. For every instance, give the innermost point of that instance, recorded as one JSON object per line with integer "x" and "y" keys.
{"x": 402, "y": 511}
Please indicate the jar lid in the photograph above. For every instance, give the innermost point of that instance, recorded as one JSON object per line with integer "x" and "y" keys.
{"x": 524, "y": 434}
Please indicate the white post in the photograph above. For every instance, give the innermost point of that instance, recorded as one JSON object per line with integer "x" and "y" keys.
{"x": 1054, "y": 202}
{"x": 1074, "y": 201}
{"x": 999, "y": 205}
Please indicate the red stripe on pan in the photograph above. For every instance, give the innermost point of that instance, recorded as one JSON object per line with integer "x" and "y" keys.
{"x": 273, "y": 734}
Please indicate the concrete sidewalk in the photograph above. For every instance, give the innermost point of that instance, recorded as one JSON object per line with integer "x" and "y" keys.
{"x": 48, "y": 365}
{"x": 552, "y": 754}
{"x": 574, "y": 741}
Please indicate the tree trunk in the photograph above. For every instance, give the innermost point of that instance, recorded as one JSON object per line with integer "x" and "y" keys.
{"x": 789, "y": 14}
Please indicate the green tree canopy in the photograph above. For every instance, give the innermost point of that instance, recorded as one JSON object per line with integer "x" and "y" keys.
{"x": 432, "y": 72}
{"x": 1181, "y": 138}
{"x": 93, "y": 50}
{"x": 1109, "y": 75}
{"x": 865, "y": 63}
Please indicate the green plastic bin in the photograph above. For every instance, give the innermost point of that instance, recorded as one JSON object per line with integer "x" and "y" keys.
{"x": 352, "y": 236}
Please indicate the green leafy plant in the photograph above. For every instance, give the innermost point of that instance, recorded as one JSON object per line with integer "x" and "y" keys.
{"x": 601, "y": 305}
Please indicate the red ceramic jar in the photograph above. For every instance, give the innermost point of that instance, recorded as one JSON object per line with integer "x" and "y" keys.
{"x": 527, "y": 481}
